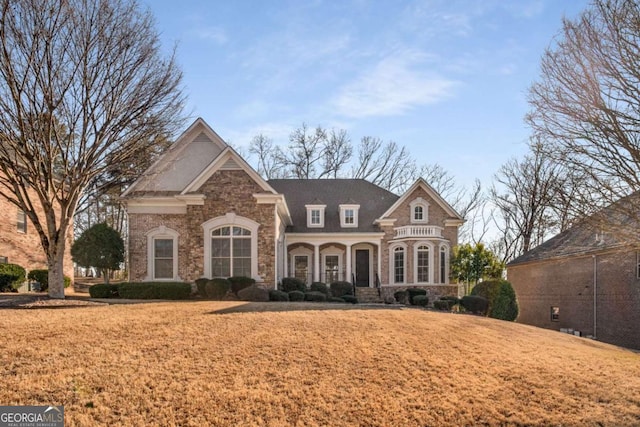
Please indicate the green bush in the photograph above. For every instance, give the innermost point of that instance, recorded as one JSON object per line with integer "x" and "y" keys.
{"x": 41, "y": 276}
{"x": 501, "y": 298}
{"x": 276, "y": 295}
{"x": 200, "y": 284}
{"x": 421, "y": 300}
{"x": 349, "y": 298}
{"x": 296, "y": 296}
{"x": 335, "y": 299}
{"x": 442, "y": 304}
{"x": 254, "y": 293}
{"x": 340, "y": 288}
{"x": 475, "y": 304}
{"x": 11, "y": 277}
{"x": 155, "y": 290}
{"x": 238, "y": 283}
{"x": 290, "y": 284}
{"x": 217, "y": 288}
{"x": 315, "y": 296}
{"x": 104, "y": 290}
{"x": 413, "y": 292}
{"x": 401, "y": 296}
{"x": 454, "y": 300}
{"x": 505, "y": 305}
{"x": 319, "y": 287}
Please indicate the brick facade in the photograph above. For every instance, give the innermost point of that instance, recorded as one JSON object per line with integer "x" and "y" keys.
{"x": 568, "y": 283}
{"x": 23, "y": 248}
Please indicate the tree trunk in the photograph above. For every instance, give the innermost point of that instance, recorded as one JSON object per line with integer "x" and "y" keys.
{"x": 55, "y": 259}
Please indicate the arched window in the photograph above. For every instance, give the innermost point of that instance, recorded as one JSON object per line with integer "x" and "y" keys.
{"x": 418, "y": 213}
{"x": 419, "y": 210}
{"x": 422, "y": 264}
{"x": 398, "y": 265}
{"x": 230, "y": 252}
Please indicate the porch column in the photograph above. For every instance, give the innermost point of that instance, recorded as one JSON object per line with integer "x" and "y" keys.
{"x": 348, "y": 269}
{"x": 316, "y": 263}
{"x": 286, "y": 258}
{"x": 380, "y": 262}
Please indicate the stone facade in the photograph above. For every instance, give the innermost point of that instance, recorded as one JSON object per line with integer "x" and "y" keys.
{"x": 24, "y": 248}
{"x": 568, "y": 283}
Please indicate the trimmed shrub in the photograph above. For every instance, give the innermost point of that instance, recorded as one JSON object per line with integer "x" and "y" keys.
{"x": 104, "y": 290}
{"x": 350, "y": 298}
{"x": 413, "y": 292}
{"x": 276, "y": 295}
{"x": 155, "y": 290}
{"x": 11, "y": 277}
{"x": 340, "y": 288}
{"x": 442, "y": 304}
{"x": 475, "y": 304}
{"x": 488, "y": 289}
{"x": 201, "y": 283}
{"x": 290, "y": 284}
{"x": 315, "y": 296}
{"x": 454, "y": 300}
{"x": 217, "y": 288}
{"x": 335, "y": 299}
{"x": 238, "y": 283}
{"x": 421, "y": 300}
{"x": 505, "y": 305}
{"x": 41, "y": 276}
{"x": 319, "y": 287}
{"x": 254, "y": 293}
{"x": 402, "y": 297}
{"x": 296, "y": 296}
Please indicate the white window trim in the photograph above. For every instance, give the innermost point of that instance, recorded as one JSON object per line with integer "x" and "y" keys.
{"x": 311, "y": 208}
{"x": 301, "y": 251}
{"x": 343, "y": 210}
{"x": 231, "y": 219}
{"x": 447, "y": 254}
{"x": 430, "y": 262}
{"x": 425, "y": 211}
{"x": 162, "y": 232}
{"x": 392, "y": 271}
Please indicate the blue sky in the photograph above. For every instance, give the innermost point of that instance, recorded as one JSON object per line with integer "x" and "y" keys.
{"x": 447, "y": 79}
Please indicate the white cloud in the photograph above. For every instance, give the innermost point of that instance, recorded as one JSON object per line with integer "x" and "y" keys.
{"x": 394, "y": 85}
{"x": 216, "y": 35}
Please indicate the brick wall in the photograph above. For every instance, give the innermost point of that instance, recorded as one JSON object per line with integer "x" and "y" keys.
{"x": 569, "y": 285}
{"x": 226, "y": 191}
{"x": 25, "y": 249}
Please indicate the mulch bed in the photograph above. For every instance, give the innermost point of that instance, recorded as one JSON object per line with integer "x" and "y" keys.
{"x": 42, "y": 301}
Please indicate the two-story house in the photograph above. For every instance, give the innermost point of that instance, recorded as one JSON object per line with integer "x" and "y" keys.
{"x": 202, "y": 211}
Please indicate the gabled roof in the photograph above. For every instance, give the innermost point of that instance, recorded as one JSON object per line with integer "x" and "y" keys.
{"x": 421, "y": 183}
{"x": 373, "y": 201}
{"x": 187, "y": 157}
{"x": 612, "y": 227}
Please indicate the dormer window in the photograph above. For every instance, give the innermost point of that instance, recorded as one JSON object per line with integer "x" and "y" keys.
{"x": 349, "y": 216}
{"x": 419, "y": 210}
{"x": 315, "y": 216}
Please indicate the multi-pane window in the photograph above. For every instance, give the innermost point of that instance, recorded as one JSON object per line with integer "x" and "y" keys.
{"x": 301, "y": 267}
{"x": 230, "y": 252}
{"x": 398, "y": 265}
{"x": 331, "y": 268}
{"x": 443, "y": 265}
{"x": 4, "y": 260}
{"x": 418, "y": 213}
{"x": 315, "y": 217}
{"x": 349, "y": 216}
{"x": 163, "y": 258}
{"x": 422, "y": 264}
{"x": 21, "y": 221}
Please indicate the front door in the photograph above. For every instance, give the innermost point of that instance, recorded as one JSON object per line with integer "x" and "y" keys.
{"x": 362, "y": 267}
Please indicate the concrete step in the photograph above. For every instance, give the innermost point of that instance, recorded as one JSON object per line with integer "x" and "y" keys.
{"x": 368, "y": 295}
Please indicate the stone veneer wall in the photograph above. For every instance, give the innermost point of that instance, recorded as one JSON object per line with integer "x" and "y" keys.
{"x": 567, "y": 283}
{"x": 25, "y": 249}
{"x": 226, "y": 191}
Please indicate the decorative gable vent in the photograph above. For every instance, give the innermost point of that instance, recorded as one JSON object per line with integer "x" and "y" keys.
{"x": 202, "y": 137}
{"x": 230, "y": 165}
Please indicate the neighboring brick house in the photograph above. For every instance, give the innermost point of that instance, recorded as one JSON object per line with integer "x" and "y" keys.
{"x": 584, "y": 280}
{"x": 20, "y": 243}
{"x": 202, "y": 211}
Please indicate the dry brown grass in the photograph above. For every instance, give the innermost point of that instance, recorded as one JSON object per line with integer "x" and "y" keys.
{"x": 209, "y": 363}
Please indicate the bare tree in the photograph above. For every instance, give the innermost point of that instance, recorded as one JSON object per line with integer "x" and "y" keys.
{"x": 525, "y": 200}
{"x": 385, "y": 164}
{"x": 84, "y": 87}
{"x": 268, "y": 157}
{"x": 337, "y": 153}
{"x": 586, "y": 104}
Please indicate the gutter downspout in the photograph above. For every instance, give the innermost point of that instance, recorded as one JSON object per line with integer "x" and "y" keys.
{"x": 595, "y": 296}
